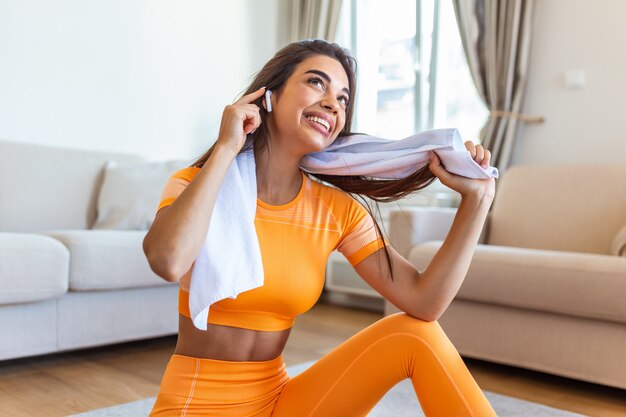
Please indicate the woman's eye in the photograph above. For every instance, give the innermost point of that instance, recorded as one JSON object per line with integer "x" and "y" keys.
{"x": 316, "y": 81}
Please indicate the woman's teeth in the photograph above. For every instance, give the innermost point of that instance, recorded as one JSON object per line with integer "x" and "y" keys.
{"x": 319, "y": 121}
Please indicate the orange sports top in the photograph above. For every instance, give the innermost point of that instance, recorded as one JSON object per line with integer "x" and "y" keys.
{"x": 296, "y": 240}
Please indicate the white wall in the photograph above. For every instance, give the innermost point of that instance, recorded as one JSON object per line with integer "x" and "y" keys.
{"x": 583, "y": 125}
{"x": 153, "y": 76}
{"x": 141, "y": 76}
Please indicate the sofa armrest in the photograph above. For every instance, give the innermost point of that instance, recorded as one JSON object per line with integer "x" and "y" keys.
{"x": 33, "y": 267}
{"x": 414, "y": 225}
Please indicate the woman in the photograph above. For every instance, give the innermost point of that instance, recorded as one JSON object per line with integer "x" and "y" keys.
{"x": 235, "y": 367}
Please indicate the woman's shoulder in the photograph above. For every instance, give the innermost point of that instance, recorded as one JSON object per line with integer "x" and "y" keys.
{"x": 331, "y": 194}
{"x": 186, "y": 174}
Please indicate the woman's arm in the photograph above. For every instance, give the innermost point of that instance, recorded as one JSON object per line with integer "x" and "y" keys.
{"x": 443, "y": 277}
{"x": 426, "y": 295}
{"x": 179, "y": 231}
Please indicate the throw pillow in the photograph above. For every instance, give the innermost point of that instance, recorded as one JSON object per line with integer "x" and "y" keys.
{"x": 618, "y": 248}
{"x": 130, "y": 194}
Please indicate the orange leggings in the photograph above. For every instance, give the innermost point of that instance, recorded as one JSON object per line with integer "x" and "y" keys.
{"x": 347, "y": 382}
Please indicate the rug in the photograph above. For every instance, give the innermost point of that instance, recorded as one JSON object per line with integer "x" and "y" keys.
{"x": 400, "y": 401}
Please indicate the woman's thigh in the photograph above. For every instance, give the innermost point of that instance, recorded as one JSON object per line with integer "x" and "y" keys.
{"x": 351, "y": 379}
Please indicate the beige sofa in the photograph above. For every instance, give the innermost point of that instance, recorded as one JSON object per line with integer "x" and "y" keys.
{"x": 546, "y": 289}
{"x": 63, "y": 285}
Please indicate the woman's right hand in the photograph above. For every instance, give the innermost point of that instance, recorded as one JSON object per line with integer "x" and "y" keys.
{"x": 238, "y": 120}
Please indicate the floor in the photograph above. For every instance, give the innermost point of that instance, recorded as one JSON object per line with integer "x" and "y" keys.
{"x": 63, "y": 384}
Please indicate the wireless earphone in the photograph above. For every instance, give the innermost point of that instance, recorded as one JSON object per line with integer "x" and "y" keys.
{"x": 268, "y": 102}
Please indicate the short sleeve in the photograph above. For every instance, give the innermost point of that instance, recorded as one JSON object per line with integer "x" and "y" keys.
{"x": 175, "y": 185}
{"x": 359, "y": 238}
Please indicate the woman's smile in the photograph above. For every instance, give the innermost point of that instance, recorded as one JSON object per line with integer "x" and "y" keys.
{"x": 318, "y": 124}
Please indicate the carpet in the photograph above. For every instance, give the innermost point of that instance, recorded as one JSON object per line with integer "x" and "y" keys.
{"x": 400, "y": 401}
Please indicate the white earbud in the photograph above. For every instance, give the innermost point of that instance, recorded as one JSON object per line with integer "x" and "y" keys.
{"x": 268, "y": 102}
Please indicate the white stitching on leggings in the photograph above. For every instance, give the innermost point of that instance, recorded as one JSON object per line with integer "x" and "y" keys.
{"x": 193, "y": 386}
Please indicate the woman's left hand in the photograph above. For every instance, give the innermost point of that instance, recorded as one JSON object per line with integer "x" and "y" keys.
{"x": 482, "y": 187}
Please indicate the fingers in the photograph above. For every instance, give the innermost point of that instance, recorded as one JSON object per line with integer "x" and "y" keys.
{"x": 250, "y": 98}
{"x": 479, "y": 154}
{"x": 486, "y": 159}
{"x": 251, "y": 118}
{"x": 436, "y": 167}
{"x": 469, "y": 145}
{"x": 250, "y": 114}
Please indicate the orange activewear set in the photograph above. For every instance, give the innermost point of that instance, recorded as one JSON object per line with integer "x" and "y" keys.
{"x": 296, "y": 240}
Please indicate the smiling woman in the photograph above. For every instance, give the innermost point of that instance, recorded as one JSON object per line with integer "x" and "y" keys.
{"x": 316, "y": 95}
{"x": 235, "y": 367}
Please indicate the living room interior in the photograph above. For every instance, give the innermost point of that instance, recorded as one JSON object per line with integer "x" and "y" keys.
{"x": 100, "y": 102}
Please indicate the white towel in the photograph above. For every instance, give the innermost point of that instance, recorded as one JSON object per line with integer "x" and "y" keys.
{"x": 393, "y": 159}
{"x": 230, "y": 262}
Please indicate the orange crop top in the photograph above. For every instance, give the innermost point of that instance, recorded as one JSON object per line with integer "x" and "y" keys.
{"x": 296, "y": 240}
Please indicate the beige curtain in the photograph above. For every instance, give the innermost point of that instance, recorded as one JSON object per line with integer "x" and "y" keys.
{"x": 496, "y": 37}
{"x": 314, "y": 19}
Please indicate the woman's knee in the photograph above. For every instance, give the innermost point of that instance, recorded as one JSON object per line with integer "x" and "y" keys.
{"x": 403, "y": 322}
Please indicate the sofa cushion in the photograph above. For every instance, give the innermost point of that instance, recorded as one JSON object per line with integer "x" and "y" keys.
{"x": 107, "y": 259}
{"x": 573, "y": 208}
{"x": 33, "y": 200}
{"x": 32, "y": 268}
{"x": 130, "y": 193}
{"x": 576, "y": 284}
{"x": 618, "y": 247}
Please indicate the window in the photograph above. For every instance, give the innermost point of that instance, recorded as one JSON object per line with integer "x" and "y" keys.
{"x": 413, "y": 74}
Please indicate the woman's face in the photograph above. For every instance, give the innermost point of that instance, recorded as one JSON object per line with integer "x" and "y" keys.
{"x": 309, "y": 110}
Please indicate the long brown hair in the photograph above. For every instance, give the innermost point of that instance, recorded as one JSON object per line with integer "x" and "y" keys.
{"x": 273, "y": 75}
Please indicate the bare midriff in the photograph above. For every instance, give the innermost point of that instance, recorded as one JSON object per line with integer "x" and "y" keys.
{"x": 229, "y": 343}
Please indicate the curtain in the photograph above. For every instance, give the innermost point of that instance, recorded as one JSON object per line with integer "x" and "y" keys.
{"x": 314, "y": 19}
{"x": 496, "y": 36}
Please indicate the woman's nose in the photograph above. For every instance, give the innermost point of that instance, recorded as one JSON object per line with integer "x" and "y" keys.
{"x": 330, "y": 104}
